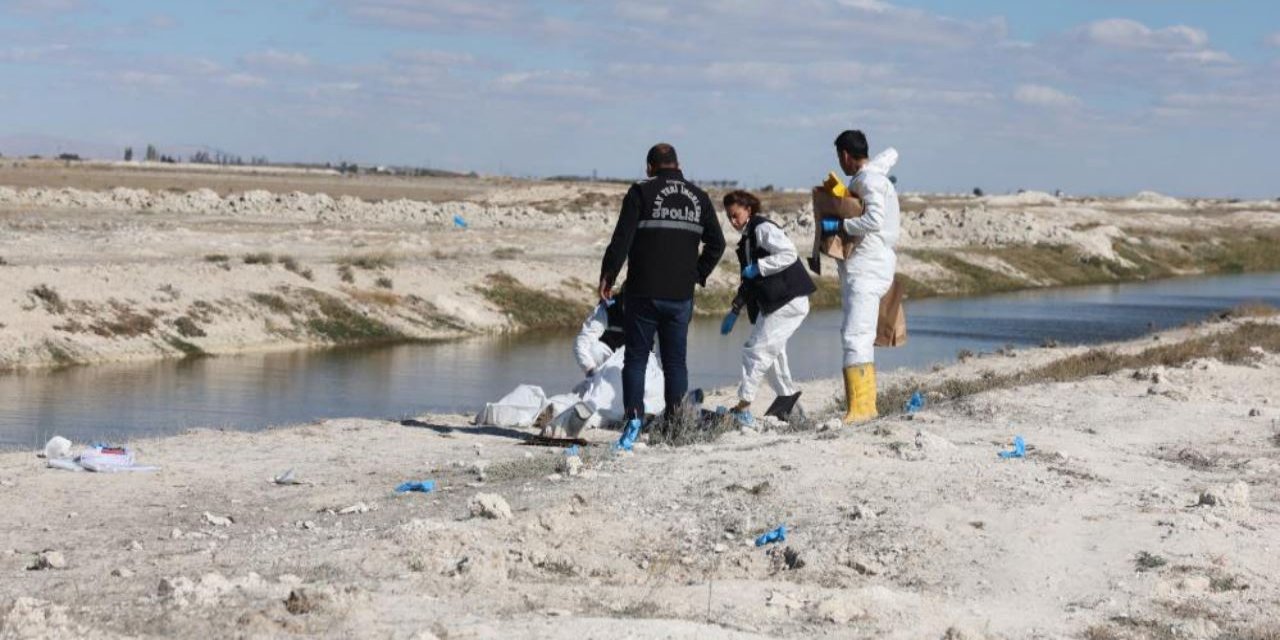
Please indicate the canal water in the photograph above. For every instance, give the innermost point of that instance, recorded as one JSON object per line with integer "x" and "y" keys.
{"x": 256, "y": 391}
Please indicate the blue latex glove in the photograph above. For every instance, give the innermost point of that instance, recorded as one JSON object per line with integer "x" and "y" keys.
{"x": 777, "y": 535}
{"x": 459, "y": 222}
{"x": 830, "y": 226}
{"x": 726, "y": 325}
{"x": 743, "y": 418}
{"x": 425, "y": 486}
{"x": 1019, "y": 449}
{"x": 915, "y": 404}
{"x": 630, "y": 434}
{"x": 751, "y": 272}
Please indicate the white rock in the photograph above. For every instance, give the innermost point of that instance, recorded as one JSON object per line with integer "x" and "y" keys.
{"x": 490, "y": 505}
{"x": 49, "y": 560}
{"x": 218, "y": 521}
{"x": 58, "y": 448}
{"x": 358, "y": 507}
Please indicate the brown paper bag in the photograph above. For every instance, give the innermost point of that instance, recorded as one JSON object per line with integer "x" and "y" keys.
{"x": 826, "y": 205}
{"x": 891, "y": 328}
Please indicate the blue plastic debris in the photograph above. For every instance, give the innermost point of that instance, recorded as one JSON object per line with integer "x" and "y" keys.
{"x": 1019, "y": 449}
{"x": 915, "y": 404}
{"x": 422, "y": 486}
{"x": 777, "y": 535}
{"x": 575, "y": 450}
{"x": 459, "y": 222}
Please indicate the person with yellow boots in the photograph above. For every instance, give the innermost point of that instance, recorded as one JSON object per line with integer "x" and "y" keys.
{"x": 868, "y": 273}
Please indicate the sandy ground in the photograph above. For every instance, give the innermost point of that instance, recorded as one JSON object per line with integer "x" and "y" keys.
{"x": 902, "y": 528}
{"x": 100, "y": 271}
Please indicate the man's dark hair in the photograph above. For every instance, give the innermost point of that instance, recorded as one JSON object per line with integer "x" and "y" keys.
{"x": 662, "y": 156}
{"x": 853, "y": 142}
{"x": 742, "y": 199}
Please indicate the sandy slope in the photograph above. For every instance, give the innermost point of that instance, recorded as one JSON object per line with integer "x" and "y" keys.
{"x": 102, "y": 275}
{"x": 905, "y": 528}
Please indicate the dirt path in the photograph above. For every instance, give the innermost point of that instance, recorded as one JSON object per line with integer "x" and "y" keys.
{"x": 1148, "y": 507}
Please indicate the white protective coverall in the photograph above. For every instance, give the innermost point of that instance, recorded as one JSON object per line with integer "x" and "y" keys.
{"x": 766, "y": 349}
{"x": 867, "y": 275}
{"x": 588, "y": 351}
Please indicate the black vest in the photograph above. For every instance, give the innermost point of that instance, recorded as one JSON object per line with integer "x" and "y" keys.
{"x": 614, "y": 336}
{"x": 769, "y": 293}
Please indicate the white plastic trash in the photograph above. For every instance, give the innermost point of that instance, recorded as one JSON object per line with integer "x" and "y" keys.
{"x": 111, "y": 460}
{"x": 520, "y": 408}
{"x": 58, "y": 448}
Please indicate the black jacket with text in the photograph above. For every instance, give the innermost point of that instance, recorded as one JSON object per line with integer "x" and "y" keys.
{"x": 668, "y": 235}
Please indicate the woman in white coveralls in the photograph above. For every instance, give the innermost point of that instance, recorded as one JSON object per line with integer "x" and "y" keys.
{"x": 775, "y": 290}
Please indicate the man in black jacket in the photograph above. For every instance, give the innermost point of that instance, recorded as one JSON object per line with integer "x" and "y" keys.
{"x": 664, "y": 222}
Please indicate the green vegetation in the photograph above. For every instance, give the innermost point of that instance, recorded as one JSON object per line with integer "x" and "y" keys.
{"x": 217, "y": 258}
{"x": 337, "y": 322}
{"x": 384, "y": 282}
{"x": 529, "y": 307}
{"x": 126, "y": 323}
{"x": 259, "y": 258}
{"x": 60, "y": 355}
{"x": 49, "y": 298}
{"x": 188, "y": 328}
{"x": 1234, "y": 346}
{"x": 346, "y": 274}
{"x": 507, "y": 253}
{"x": 291, "y": 265}
{"x": 189, "y": 350}
{"x": 370, "y": 262}
{"x": 273, "y": 302}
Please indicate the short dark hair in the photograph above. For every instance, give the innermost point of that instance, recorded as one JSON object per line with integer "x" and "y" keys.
{"x": 853, "y": 142}
{"x": 742, "y": 199}
{"x": 662, "y": 155}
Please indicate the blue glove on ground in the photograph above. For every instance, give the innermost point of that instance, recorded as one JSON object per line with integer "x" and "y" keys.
{"x": 830, "y": 226}
{"x": 726, "y": 325}
{"x": 770, "y": 537}
{"x": 752, "y": 271}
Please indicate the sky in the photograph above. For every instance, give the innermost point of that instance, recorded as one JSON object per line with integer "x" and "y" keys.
{"x": 1088, "y": 96}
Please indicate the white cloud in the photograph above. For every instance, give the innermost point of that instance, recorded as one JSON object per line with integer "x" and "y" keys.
{"x": 136, "y": 78}
{"x": 1204, "y": 57}
{"x": 276, "y": 60}
{"x": 243, "y": 80}
{"x": 1122, "y": 33}
{"x": 873, "y": 6}
{"x": 1037, "y": 95}
{"x": 42, "y": 6}
{"x": 41, "y": 53}
{"x": 437, "y": 14}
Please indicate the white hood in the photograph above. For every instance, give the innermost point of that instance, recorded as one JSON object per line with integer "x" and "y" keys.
{"x": 883, "y": 162}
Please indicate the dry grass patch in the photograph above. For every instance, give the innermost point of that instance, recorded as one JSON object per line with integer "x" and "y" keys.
{"x": 261, "y": 257}
{"x": 380, "y": 298}
{"x": 529, "y": 307}
{"x": 49, "y": 298}
{"x": 1236, "y": 346}
{"x": 369, "y": 262}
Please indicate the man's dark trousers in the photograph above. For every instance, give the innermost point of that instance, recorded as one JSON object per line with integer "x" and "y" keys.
{"x": 669, "y": 320}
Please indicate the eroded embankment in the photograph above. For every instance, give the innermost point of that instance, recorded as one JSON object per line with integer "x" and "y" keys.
{"x": 131, "y": 274}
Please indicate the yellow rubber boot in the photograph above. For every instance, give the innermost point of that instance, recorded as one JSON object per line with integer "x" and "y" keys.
{"x": 860, "y": 393}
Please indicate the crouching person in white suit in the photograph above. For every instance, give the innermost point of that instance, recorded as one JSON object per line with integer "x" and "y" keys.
{"x": 775, "y": 290}
{"x": 867, "y": 275}
{"x": 599, "y": 351}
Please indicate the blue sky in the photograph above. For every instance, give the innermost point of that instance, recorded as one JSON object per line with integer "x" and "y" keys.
{"x": 1089, "y": 96}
